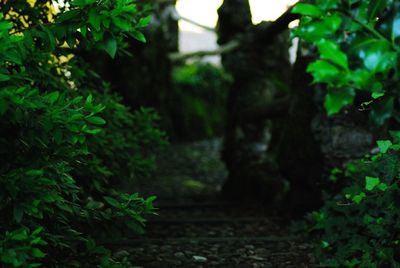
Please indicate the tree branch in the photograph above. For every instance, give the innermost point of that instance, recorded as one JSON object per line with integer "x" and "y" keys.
{"x": 177, "y": 16}
{"x": 261, "y": 33}
{"x": 176, "y": 57}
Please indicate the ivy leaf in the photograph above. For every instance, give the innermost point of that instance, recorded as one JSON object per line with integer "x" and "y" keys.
{"x": 323, "y": 71}
{"x": 336, "y": 99}
{"x": 375, "y": 8}
{"x": 330, "y": 51}
{"x": 377, "y": 56}
{"x": 307, "y": 10}
{"x": 358, "y": 198}
{"x": 396, "y": 27}
{"x": 384, "y": 145}
{"x": 371, "y": 183}
{"x": 111, "y": 47}
{"x": 382, "y": 110}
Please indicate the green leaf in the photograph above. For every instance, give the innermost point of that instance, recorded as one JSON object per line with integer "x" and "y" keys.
{"x": 111, "y": 47}
{"x": 95, "y": 19}
{"x": 336, "y": 99}
{"x": 96, "y": 120}
{"x": 382, "y": 186}
{"x": 377, "y": 95}
{"x": 138, "y": 36}
{"x": 3, "y": 106}
{"x": 375, "y": 8}
{"x": 4, "y": 77}
{"x": 18, "y": 213}
{"x": 307, "y": 10}
{"x": 371, "y": 183}
{"x": 382, "y": 110}
{"x": 143, "y": 22}
{"x": 5, "y": 25}
{"x": 384, "y": 145}
{"x": 37, "y": 253}
{"x": 34, "y": 172}
{"x": 68, "y": 15}
{"x": 323, "y": 71}
{"x": 93, "y": 131}
{"x": 124, "y": 25}
{"x": 358, "y": 198}
{"x": 327, "y": 4}
{"x": 377, "y": 56}
{"x": 19, "y": 235}
{"x": 396, "y": 27}
{"x": 330, "y": 51}
{"x": 53, "y": 97}
{"x": 113, "y": 202}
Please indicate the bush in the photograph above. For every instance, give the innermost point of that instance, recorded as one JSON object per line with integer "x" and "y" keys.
{"x": 64, "y": 145}
{"x": 359, "y": 50}
{"x": 198, "y": 103}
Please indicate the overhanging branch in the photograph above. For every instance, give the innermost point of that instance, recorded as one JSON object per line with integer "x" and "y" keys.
{"x": 261, "y": 33}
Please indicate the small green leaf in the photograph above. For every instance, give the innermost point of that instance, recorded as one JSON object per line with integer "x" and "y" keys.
{"x": 330, "y": 51}
{"x": 138, "y": 36}
{"x": 112, "y": 201}
{"x": 37, "y": 253}
{"x": 384, "y": 145}
{"x": 382, "y": 186}
{"x": 111, "y": 47}
{"x": 19, "y": 235}
{"x": 95, "y": 19}
{"x": 323, "y": 71}
{"x": 371, "y": 183}
{"x": 143, "y": 22}
{"x": 122, "y": 24}
{"x": 4, "y": 77}
{"x": 377, "y": 95}
{"x": 358, "y": 198}
{"x": 34, "y": 172}
{"x": 89, "y": 99}
{"x": 382, "y": 110}
{"x": 336, "y": 99}
{"x": 3, "y": 106}
{"x": 396, "y": 27}
{"x": 96, "y": 120}
{"x": 53, "y": 97}
{"x": 18, "y": 213}
{"x": 307, "y": 10}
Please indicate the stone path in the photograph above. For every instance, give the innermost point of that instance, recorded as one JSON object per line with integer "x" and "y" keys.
{"x": 196, "y": 229}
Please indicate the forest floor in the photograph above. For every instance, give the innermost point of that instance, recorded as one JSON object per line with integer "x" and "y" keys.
{"x": 195, "y": 228}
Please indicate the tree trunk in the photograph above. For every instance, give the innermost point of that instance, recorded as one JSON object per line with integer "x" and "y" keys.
{"x": 260, "y": 73}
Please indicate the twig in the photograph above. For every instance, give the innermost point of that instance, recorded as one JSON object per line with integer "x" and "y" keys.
{"x": 234, "y": 44}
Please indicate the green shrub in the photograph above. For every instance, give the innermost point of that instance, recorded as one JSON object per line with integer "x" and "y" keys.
{"x": 359, "y": 50}
{"x": 198, "y": 103}
{"x": 64, "y": 146}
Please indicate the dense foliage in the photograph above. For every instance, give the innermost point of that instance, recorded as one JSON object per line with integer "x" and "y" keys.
{"x": 65, "y": 141}
{"x": 199, "y": 97}
{"x": 358, "y": 44}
